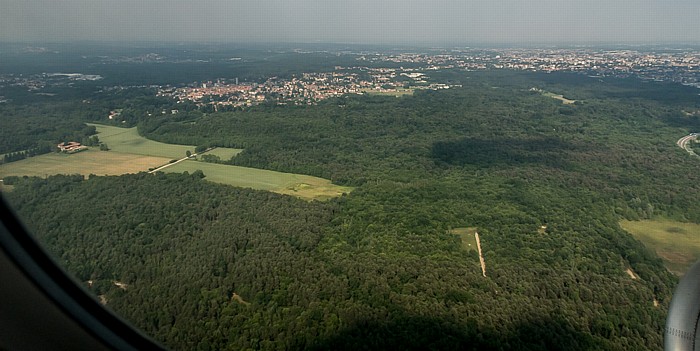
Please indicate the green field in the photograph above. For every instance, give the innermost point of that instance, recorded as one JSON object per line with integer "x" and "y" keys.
{"x": 467, "y": 237}
{"x": 303, "y": 186}
{"x": 558, "y": 97}
{"x": 128, "y": 140}
{"x": 397, "y": 93}
{"x": 91, "y": 161}
{"x": 224, "y": 153}
{"x": 677, "y": 243}
{"x": 132, "y": 153}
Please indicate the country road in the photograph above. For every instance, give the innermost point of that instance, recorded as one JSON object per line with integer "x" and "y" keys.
{"x": 180, "y": 160}
{"x": 683, "y": 143}
{"x": 172, "y": 163}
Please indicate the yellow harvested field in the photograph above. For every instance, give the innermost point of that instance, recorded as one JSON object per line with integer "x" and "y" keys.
{"x": 87, "y": 162}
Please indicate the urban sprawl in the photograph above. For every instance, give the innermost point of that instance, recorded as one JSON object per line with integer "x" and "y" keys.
{"x": 403, "y": 73}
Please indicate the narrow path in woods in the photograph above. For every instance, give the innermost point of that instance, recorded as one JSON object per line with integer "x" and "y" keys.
{"x": 481, "y": 256}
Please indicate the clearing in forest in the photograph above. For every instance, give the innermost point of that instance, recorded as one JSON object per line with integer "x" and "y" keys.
{"x": 467, "y": 237}
{"x": 224, "y": 153}
{"x": 132, "y": 153}
{"x": 470, "y": 241}
{"x": 397, "y": 92}
{"x": 239, "y": 299}
{"x": 554, "y": 96}
{"x": 677, "y": 243}
{"x": 128, "y": 140}
{"x": 559, "y": 97}
{"x": 299, "y": 185}
{"x": 90, "y": 161}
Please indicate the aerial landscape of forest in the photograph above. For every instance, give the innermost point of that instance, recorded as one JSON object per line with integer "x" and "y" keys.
{"x": 346, "y": 197}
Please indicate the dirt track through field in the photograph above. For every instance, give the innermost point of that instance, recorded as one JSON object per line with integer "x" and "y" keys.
{"x": 481, "y": 257}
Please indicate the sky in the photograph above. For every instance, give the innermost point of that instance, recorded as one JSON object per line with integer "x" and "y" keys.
{"x": 353, "y": 21}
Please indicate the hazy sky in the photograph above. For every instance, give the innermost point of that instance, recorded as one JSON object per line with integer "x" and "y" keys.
{"x": 355, "y": 21}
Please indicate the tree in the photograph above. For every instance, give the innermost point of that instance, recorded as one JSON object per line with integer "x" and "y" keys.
{"x": 188, "y": 153}
{"x": 103, "y": 147}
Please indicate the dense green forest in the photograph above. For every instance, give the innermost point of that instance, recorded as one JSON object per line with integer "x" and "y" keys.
{"x": 209, "y": 266}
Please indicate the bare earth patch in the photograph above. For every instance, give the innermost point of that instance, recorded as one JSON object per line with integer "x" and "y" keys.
{"x": 120, "y": 285}
{"x": 239, "y": 299}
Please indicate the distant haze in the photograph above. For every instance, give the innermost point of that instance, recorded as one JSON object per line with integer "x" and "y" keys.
{"x": 356, "y": 21}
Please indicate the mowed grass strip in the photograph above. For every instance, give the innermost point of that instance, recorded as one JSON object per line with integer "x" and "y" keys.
{"x": 467, "y": 237}
{"x": 677, "y": 243}
{"x": 86, "y": 162}
{"x": 302, "y": 186}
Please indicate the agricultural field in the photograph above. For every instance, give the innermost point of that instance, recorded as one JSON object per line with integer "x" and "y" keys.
{"x": 128, "y": 140}
{"x": 303, "y": 186}
{"x": 86, "y": 162}
{"x": 224, "y": 153}
{"x": 677, "y": 243}
{"x": 467, "y": 237}
{"x": 132, "y": 153}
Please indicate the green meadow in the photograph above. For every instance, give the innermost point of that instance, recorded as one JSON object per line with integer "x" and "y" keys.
{"x": 466, "y": 235}
{"x": 224, "y": 154}
{"x": 132, "y": 153}
{"x": 558, "y": 97}
{"x": 299, "y": 185}
{"x": 128, "y": 140}
{"x": 677, "y": 243}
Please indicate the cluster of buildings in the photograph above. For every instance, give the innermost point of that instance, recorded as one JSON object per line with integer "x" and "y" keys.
{"x": 306, "y": 89}
{"x": 681, "y": 66}
{"x": 400, "y": 73}
{"x": 71, "y": 147}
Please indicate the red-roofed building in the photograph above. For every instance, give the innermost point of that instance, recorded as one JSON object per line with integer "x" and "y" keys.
{"x": 71, "y": 147}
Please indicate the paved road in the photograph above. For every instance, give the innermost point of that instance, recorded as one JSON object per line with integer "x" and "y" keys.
{"x": 683, "y": 143}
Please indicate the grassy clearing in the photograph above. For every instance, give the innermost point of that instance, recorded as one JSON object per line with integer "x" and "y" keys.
{"x": 132, "y": 153}
{"x": 128, "y": 140}
{"x": 559, "y": 97}
{"x": 677, "y": 243}
{"x": 467, "y": 237}
{"x": 87, "y": 162}
{"x": 397, "y": 93}
{"x": 303, "y": 186}
{"x": 224, "y": 153}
